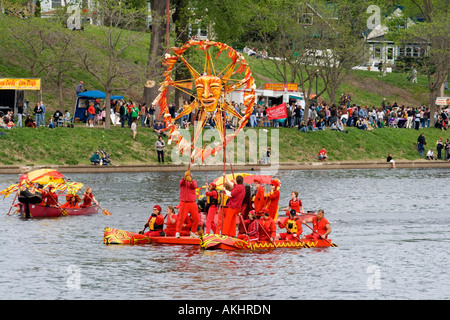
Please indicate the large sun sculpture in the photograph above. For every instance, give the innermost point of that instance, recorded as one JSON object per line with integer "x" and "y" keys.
{"x": 211, "y": 100}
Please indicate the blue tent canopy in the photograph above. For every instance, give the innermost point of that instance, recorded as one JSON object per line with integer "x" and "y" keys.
{"x": 80, "y": 112}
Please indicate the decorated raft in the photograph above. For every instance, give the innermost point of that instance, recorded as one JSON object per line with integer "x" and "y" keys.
{"x": 39, "y": 211}
{"x": 207, "y": 241}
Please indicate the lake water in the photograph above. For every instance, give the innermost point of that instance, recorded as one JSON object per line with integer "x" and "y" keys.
{"x": 391, "y": 226}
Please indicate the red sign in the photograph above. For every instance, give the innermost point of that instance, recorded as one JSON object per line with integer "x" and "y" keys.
{"x": 277, "y": 112}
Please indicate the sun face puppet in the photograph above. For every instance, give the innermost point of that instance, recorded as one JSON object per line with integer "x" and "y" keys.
{"x": 211, "y": 98}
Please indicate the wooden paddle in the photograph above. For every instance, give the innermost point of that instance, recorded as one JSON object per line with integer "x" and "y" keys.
{"x": 104, "y": 211}
{"x": 296, "y": 237}
{"x": 331, "y": 243}
{"x": 245, "y": 229}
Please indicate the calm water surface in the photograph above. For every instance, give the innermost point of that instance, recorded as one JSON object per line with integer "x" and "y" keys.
{"x": 392, "y": 228}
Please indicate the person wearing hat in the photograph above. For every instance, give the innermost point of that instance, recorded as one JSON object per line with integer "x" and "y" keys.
{"x": 188, "y": 204}
{"x": 272, "y": 199}
{"x": 293, "y": 226}
{"x": 155, "y": 223}
{"x": 80, "y": 88}
{"x": 258, "y": 199}
{"x": 211, "y": 203}
{"x": 321, "y": 226}
{"x": 71, "y": 201}
{"x": 251, "y": 227}
{"x": 49, "y": 197}
{"x": 268, "y": 229}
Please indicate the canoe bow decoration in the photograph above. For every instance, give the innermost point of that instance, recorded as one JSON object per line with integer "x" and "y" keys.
{"x": 210, "y": 101}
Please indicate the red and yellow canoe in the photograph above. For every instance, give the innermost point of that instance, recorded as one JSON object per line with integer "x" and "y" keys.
{"x": 38, "y": 211}
{"x": 207, "y": 241}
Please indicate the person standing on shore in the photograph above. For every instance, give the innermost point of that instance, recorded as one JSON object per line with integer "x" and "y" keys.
{"x": 421, "y": 142}
{"x": 159, "y": 145}
{"x": 439, "y": 147}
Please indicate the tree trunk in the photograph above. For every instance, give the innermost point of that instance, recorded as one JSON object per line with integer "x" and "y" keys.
{"x": 156, "y": 51}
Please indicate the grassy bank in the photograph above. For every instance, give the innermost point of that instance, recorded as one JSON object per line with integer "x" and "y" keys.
{"x": 74, "y": 146}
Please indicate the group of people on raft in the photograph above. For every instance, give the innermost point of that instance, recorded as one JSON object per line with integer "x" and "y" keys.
{"x": 50, "y": 198}
{"x": 236, "y": 213}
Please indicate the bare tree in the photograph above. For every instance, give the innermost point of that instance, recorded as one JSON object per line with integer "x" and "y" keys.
{"x": 114, "y": 73}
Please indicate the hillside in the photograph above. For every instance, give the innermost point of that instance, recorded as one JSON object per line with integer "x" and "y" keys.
{"x": 365, "y": 87}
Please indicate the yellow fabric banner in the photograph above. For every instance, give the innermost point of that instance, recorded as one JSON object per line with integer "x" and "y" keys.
{"x": 20, "y": 84}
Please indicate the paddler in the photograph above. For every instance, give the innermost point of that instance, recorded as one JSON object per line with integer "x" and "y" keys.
{"x": 234, "y": 204}
{"x": 252, "y": 227}
{"x": 321, "y": 226}
{"x": 155, "y": 223}
{"x": 188, "y": 204}
{"x": 211, "y": 203}
{"x": 87, "y": 198}
{"x": 293, "y": 227}
{"x": 268, "y": 229}
{"x": 49, "y": 197}
{"x": 272, "y": 199}
{"x": 258, "y": 199}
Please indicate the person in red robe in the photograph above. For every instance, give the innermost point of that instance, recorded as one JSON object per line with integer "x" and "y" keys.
{"x": 49, "y": 197}
{"x": 259, "y": 200}
{"x": 268, "y": 229}
{"x": 171, "y": 221}
{"x": 251, "y": 227}
{"x": 272, "y": 199}
{"x": 71, "y": 201}
{"x": 211, "y": 202}
{"x": 234, "y": 204}
{"x": 188, "y": 205}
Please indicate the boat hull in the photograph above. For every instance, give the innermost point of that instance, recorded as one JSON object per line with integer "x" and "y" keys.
{"x": 38, "y": 211}
{"x": 207, "y": 241}
{"x": 116, "y": 236}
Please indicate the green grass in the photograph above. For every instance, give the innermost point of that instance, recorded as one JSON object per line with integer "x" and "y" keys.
{"x": 74, "y": 146}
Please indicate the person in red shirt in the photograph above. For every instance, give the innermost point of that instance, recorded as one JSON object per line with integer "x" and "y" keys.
{"x": 295, "y": 203}
{"x": 171, "y": 222}
{"x": 188, "y": 204}
{"x": 293, "y": 227}
{"x": 272, "y": 199}
{"x": 50, "y": 198}
{"x": 268, "y": 229}
{"x": 252, "y": 227}
{"x": 155, "y": 223}
{"x": 321, "y": 226}
{"x": 322, "y": 154}
{"x": 87, "y": 198}
{"x": 258, "y": 200}
{"x": 212, "y": 202}
{"x": 234, "y": 204}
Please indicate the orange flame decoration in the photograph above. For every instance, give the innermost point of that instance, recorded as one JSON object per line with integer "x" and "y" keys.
{"x": 237, "y": 67}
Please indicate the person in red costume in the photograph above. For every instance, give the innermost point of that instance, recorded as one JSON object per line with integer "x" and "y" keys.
{"x": 212, "y": 202}
{"x": 49, "y": 197}
{"x": 268, "y": 229}
{"x": 293, "y": 227}
{"x": 234, "y": 204}
{"x": 155, "y": 223}
{"x": 258, "y": 200}
{"x": 272, "y": 199}
{"x": 87, "y": 198}
{"x": 72, "y": 201}
{"x": 171, "y": 222}
{"x": 252, "y": 227}
{"x": 188, "y": 204}
{"x": 321, "y": 226}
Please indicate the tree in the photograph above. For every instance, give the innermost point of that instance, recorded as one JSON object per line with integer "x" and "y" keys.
{"x": 432, "y": 30}
{"x": 154, "y": 70}
{"x": 114, "y": 73}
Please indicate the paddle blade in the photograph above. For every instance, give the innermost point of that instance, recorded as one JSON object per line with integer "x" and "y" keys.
{"x": 106, "y": 212}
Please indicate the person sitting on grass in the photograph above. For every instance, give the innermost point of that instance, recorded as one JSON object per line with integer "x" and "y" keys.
{"x": 430, "y": 155}
{"x": 323, "y": 154}
{"x": 95, "y": 159}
